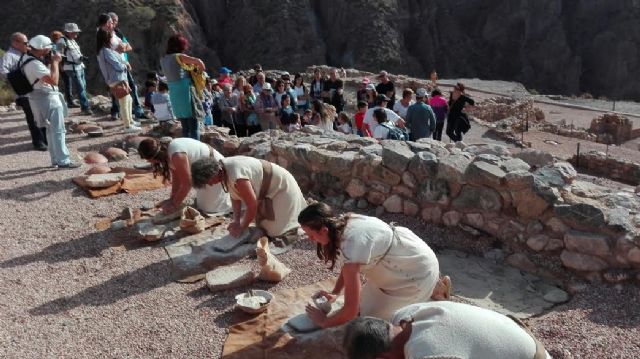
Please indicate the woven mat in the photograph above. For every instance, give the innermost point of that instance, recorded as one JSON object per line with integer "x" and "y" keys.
{"x": 134, "y": 182}
{"x": 263, "y": 336}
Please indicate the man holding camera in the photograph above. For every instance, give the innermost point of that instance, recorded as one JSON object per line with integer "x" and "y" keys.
{"x": 46, "y": 102}
{"x": 73, "y": 68}
{"x": 9, "y": 62}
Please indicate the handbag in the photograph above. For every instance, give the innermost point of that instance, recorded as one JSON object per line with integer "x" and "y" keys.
{"x": 120, "y": 90}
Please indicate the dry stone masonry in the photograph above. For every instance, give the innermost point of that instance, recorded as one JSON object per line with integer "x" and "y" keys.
{"x": 531, "y": 203}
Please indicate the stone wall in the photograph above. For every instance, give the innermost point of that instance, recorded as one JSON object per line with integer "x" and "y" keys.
{"x": 598, "y": 163}
{"x": 544, "y": 218}
{"x": 612, "y": 128}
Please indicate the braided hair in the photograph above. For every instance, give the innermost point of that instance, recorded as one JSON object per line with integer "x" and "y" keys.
{"x": 318, "y": 215}
{"x": 152, "y": 149}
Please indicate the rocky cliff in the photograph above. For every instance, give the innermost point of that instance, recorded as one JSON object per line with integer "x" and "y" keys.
{"x": 553, "y": 46}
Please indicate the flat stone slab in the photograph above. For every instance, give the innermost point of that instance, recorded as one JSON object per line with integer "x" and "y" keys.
{"x": 193, "y": 256}
{"x": 301, "y": 323}
{"x": 228, "y": 277}
{"x": 498, "y": 287}
{"x": 228, "y": 243}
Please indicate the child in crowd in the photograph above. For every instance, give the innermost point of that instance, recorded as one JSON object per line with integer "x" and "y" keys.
{"x": 344, "y": 123}
{"x": 207, "y": 103}
{"x": 151, "y": 87}
{"x": 286, "y": 110}
{"x": 162, "y": 105}
{"x": 307, "y": 117}
{"x": 295, "y": 123}
{"x": 381, "y": 132}
{"x": 361, "y": 127}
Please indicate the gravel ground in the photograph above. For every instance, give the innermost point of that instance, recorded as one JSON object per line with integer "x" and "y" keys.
{"x": 68, "y": 291}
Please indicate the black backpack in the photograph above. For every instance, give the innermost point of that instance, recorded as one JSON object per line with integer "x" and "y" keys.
{"x": 395, "y": 133}
{"x": 18, "y": 80}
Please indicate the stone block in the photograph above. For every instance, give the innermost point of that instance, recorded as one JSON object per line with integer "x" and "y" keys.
{"x": 452, "y": 218}
{"x": 556, "y": 225}
{"x": 488, "y": 158}
{"x": 376, "y": 198}
{"x": 431, "y": 190}
{"x": 403, "y": 191}
{"x": 580, "y": 215}
{"x": 410, "y": 208}
{"x": 396, "y": 155}
{"x": 383, "y": 174}
{"x": 362, "y": 203}
{"x": 554, "y": 244}
{"x": 104, "y": 180}
{"x": 634, "y": 256}
{"x": 380, "y": 187}
{"x": 522, "y": 262}
{"x": 453, "y": 167}
{"x": 587, "y": 243}
{"x": 538, "y": 242}
{"x": 409, "y": 180}
{"x": 556, "y": 296}
{"x": 423, "y": 165}
{"x": 484, "y": 174}
{"x": 475, "y": 220}
{"x": 477, "y": 198}
{"x": 582, "y": 262}
{"x": 528, "y": 204}
{"x": 566, "y": 171}
{"x": 534, "y": 158}
{"x": 356, "y": 188}
{"x": 229, "y": 277}
{"x": 534, "y": 227}
{"x": 519, "y": 180}
{"x": 432, "y": 214}
{"x": 393, "y": 204}
{"x": 228, "y": 243}
{"x": 515, "y": 165}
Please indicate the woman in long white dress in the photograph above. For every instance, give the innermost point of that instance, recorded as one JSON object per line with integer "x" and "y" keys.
{"x": 269, "y": 192}
{"x": 400, "y": 268}
{"x": 173, "y": 161}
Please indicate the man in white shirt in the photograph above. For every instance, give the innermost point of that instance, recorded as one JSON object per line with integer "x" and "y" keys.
{"x": 442, "y": 329}
{"x": 401, "y": 107}
{"x": 46, "y": 102}
{"x": 381, "y": 102}
{"x": 8, "y": 63}
{"x": 73, "y": 68}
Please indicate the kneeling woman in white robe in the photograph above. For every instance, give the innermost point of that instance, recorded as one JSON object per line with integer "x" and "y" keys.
{"x": 400, "y": 268}
{"x": 173, "y": 161}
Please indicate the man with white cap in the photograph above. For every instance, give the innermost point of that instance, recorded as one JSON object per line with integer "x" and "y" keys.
{"x": 421, "y": 119}
{"x": 267, "y": 107}
{"x": 8, "y": 63}
{"x": 73, "y": 67}
{"x": 46, "y": 102}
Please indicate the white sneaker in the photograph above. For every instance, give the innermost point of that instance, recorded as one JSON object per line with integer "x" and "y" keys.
{"x": 132, "y": 129}
{"x": 136, "y": 123}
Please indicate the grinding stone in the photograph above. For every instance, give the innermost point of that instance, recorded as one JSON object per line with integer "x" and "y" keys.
{"x": 227, "y": 277}
{"x": 227, "y": 243}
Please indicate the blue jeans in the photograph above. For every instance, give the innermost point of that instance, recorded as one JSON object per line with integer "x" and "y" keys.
{"x": 56, "y": 137}
{"x": 137, "y": 108}
{"x": 76, "y": 78}
{"x": 190, "y": 128}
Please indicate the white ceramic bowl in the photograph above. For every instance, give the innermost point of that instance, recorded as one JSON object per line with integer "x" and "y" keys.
{"x": 252, "y": 310}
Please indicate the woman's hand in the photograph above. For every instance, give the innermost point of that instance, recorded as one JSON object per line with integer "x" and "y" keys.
{"x": 316, "y": 315}
{"x": 235, "y": 228}
{"x": 323, "y": 293}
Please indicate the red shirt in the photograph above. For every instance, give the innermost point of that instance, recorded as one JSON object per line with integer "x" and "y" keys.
{"x": 359, "y": 117}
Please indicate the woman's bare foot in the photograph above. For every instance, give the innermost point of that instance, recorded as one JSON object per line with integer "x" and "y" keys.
{"x": 443, "y": 289}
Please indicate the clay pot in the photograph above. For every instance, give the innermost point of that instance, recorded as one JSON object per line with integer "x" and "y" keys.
{"x": 94, "y": 157}
{"x": 115, "y": 154}
{"x": 99, "y": 169}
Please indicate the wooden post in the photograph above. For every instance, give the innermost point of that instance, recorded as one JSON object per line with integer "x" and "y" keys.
{"x": 578, "y": 155}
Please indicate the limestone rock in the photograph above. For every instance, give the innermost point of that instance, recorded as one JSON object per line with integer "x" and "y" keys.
{"x": 350, "y": 204}
{"x": 451, "y": 218}
{"x": 580, "y": 215}
{"x": 432, "y": 214}
{"x": 104, "y": 180}
{"x": 396, "y": 155}
{"x": 98, "y": 169}
{"x": 528, "y": 204}
{"x": 475, "y": 220}
{"x": 484, "y": 174}
{"x": 634, "y": 256}
{"x": 385, "y": 175}
{"x": 556, "y": 225}
{"x": 362, "y": 203}
{"x": 482, "y": 198}
{"x": 228, "y": 243}
{"x": 452, "y": 168}
{"x": 423, "y": 165}
{"x": 376, "y": 198}
{"x": 534, "y": 227}
{"x": 556, "y": 296}
{"x": 228, "y": 277}
{"x": 393, "y": 204}
{"x": 410, "y": 208}
{"x": 554, "y": 244}
{"x": 519, "y": 180}
{"x": 566, "y": 171}
{"x": 538, "y": 242}
{"x": 489, "y": 148}
{"x": 488, "y": 158}
{"x": 534, "y": 158}
{"x": 522, "y": 262}
{"x": 549, "y": 176}
{"x": 409, "y": 180}
{"x": 149, "y": 231}
{"x": 582, "y": 262}
{"x": 587, "y": 243}
{"x": 432, "y": 190}
{"x": 271, "y": 269}
{"x": 356, "y": 188}
{"x": 515, "y": 165}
